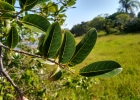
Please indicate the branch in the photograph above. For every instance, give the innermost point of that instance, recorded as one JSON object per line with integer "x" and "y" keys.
{"x": 18, "y": 13}
{"x": 12, "y": 83}
{"x": 37, "y": 56}
{"x": 7, "y": 76}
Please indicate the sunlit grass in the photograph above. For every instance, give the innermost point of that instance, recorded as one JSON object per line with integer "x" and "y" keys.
{"x": 124, "y": 49}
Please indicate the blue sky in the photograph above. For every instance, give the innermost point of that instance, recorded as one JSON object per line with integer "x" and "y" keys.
{"x": 86, "y": 10}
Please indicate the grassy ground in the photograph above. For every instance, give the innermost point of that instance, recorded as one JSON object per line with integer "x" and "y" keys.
{"x": 124, "y": 49}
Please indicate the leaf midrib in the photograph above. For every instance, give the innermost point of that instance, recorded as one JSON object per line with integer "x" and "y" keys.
{"x": 33, "y": 25}
{"x": 97, "y": 71}
{"x": 51, "y": 39}
{"x": 31, "y": 3}
{"x": 79, "y": 49}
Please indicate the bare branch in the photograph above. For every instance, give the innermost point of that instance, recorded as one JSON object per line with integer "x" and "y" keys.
{"x": 7, "y": 76}
{"x": 12, "y": 83}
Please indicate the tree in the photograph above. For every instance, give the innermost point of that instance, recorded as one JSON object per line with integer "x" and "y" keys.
{"x": 98, "y": 23}
{"x": 80, "y": 29}
{"x": 109, "y": 26}
{"x": 113, "y": 16}
{"x": 122, "y": 20}
{"x": 138, "y": 15}
{"x": 24, "y": 69}
{"x": 128, "y": 5}
{"x": 133, "y": 26}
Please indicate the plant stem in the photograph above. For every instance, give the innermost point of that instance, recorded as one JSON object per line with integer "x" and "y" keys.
{"x": 18, "y": 13}
{"x": 37, "y": 56}
{"x": 12, "y": 83}
{"x": 7, "y": 76}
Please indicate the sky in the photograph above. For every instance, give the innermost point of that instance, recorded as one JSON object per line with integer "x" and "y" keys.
{"x": 86, "y": 10}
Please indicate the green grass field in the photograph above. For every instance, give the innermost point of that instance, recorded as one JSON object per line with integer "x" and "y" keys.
{"x": 124, "y": 49}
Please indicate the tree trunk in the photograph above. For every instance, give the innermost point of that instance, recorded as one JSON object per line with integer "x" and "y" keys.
{"x": 126, "y": 10}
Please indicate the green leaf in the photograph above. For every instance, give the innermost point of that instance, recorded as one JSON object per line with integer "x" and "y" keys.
{"x": 12, "y": 38}
{"x": 71, "y": 2}
{"x": 55, "y": 75}
{"x": 52, "y": 7}
{"x": 61, "y": 8}
{"x": 42, "y": 1}
{"x": 12, "y": 2}
{"x": 6, "y": 7}
{"x": 1, "y": 35}
{"x": 62, "y": 15}
{"x": 84, "y": 47}
{"x": 10, "y": 95}
{"x": 107, "y": 68}
{"x": 110, "y": 74}
{"x": 52, "y": 41}
{"x": 27, "y": 4}
{"x": 36, "y": 23}
{"x": 44, "y": 8}
{"x": 40, "y": 44}
{"x": 7, "y": 16}
{"x": 1, "y": 97}
{"x": 68, "y": 48}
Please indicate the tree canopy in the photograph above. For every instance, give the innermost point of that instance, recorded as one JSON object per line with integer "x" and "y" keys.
{"x": 128, "y": 6}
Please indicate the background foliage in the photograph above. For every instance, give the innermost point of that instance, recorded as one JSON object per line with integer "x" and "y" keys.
{"x": 125, "y": 20}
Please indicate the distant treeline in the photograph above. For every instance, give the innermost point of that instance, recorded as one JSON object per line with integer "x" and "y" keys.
{"x": 119, "y": 22}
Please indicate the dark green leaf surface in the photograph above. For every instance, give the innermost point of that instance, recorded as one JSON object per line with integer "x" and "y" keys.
{"x": 27, "y": 4}
{"x": 71, "y": 2}
{"x": 68, "y": 48}
{"x": 56, "y": 75}
{"x": 41, "y": 1}
{"x": 12, "y": 38}
{"x": 84, "y": 47}
{"x": 52, "y": 41}
{"x": 40, "y": 44}
{"x": 12, "y": 2}
{"x": 7, "y": 16}
{"x": 36, "y": 23}
{"x": 100, "y": 68}
{"x": 6, "y": 7}
{"x": 52, "y": 7}
{"x": 110, "y": 74}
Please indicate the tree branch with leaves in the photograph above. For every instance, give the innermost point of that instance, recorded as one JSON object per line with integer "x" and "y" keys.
{"x": 54, "y": 45}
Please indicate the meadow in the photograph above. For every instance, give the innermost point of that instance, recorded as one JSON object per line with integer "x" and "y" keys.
{"x": 124, "y": 49}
